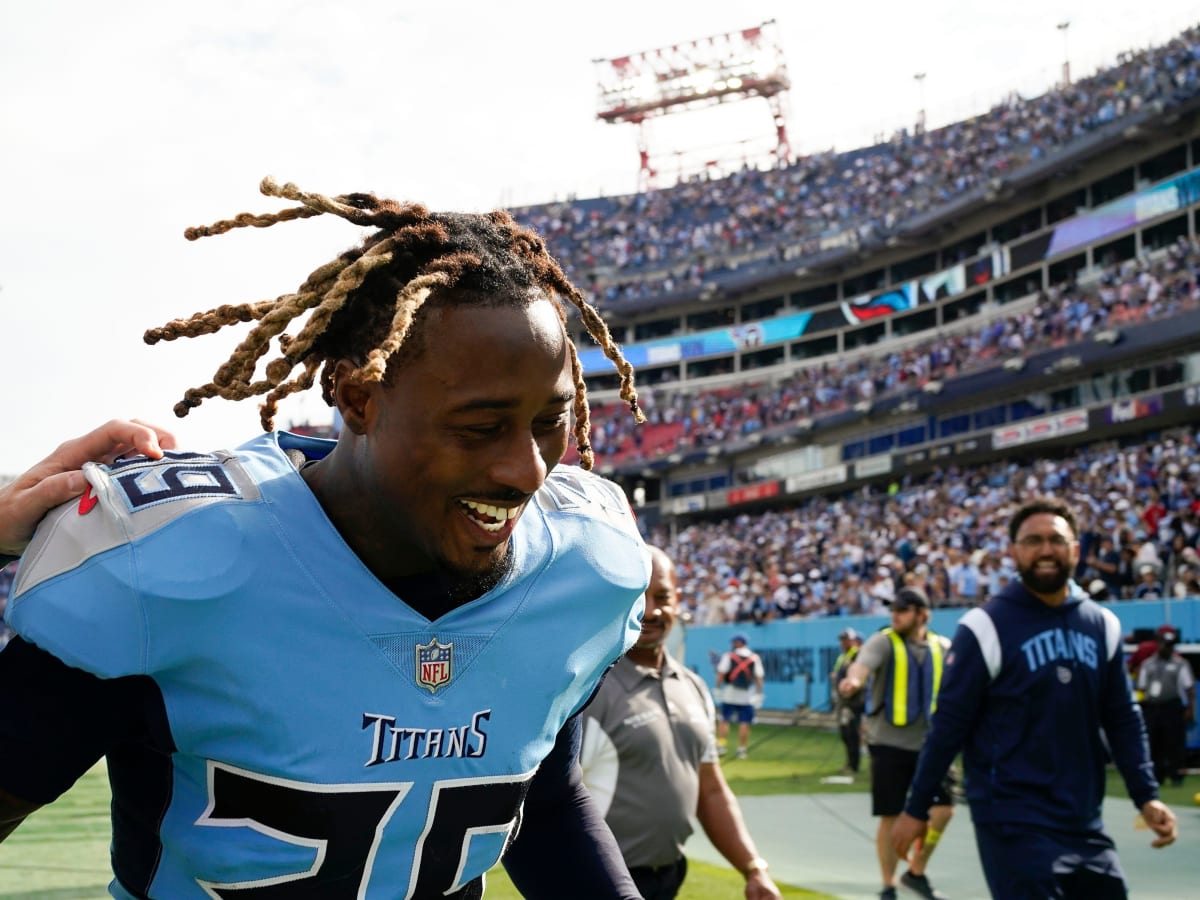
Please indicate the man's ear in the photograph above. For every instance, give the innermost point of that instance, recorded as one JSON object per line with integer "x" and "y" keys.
{"x": 352, "y": 396}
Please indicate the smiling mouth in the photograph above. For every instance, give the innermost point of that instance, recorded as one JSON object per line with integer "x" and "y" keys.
{"x": 490, "y": 518}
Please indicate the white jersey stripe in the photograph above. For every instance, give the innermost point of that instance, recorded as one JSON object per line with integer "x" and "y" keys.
{"x": 1112, "y": 632}
{"x": 984, "y": 629}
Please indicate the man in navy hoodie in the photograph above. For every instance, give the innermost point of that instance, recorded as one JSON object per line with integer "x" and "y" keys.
{"x": 1034, "y": 688}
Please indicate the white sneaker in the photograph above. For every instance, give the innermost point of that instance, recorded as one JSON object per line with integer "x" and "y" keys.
{"x": 741, "y": 752}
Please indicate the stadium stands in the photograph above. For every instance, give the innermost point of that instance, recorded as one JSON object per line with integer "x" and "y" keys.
{"x": 842, "y": 554}
{"x": 666, "y": 242}
{"x": 1059, "y": 317}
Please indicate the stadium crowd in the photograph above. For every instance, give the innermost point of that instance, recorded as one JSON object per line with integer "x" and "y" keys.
{"x": 1124, "y": 293}
{"x": 659, "y": 241}
{"x": 1139, "y": 510}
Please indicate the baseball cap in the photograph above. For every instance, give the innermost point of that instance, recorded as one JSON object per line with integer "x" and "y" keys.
{"x": 1168, "y": 633}
{"x": 907, "y": 597}
{"x": 738, "y": 637}
{"x": 849, "y": 634}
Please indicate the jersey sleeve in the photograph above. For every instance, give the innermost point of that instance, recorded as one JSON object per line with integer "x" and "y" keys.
{"x": 89, "y": 616}
{"x": 592, "y": 518}
{"x": 144, "y": 529}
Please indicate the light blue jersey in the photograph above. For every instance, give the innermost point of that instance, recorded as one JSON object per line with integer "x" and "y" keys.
{"x": 331, "y": 742}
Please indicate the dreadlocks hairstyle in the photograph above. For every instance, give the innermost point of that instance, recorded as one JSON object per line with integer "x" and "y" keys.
{"x": 362, "y": 304}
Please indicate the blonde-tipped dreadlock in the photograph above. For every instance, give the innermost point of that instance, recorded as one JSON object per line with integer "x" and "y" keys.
{"x": 362, "y": 304}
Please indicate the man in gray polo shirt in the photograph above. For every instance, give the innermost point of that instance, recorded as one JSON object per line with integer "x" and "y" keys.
{"x": 650, "y": 759}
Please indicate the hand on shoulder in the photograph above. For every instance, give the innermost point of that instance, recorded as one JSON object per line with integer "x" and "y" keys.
{"x": 57, "y": 478}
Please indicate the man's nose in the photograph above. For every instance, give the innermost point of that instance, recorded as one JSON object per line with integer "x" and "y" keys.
{"x": 521, "y": 465}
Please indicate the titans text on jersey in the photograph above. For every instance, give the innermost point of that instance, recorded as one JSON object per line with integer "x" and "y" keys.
{"x": 392, "y": 742}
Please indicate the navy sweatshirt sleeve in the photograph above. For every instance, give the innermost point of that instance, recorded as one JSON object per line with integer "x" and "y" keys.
{"x": 1126, "y": 732}
{"x": 964, "y": 684}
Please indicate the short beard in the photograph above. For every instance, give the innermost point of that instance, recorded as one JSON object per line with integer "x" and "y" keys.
{"x": 648, "y": 642}
{"x": 463, "y": 587}
{"x": 1045, "y": 584}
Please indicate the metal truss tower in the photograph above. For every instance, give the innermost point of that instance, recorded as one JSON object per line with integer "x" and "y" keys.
{"x": 738, "y": 65}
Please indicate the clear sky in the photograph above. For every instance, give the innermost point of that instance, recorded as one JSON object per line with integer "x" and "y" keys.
{"x": 125, "y": 122}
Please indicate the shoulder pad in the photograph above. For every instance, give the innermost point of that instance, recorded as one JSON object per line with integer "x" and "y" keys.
{"x": 570, "y": 489}
{"x": 128, "y": 500}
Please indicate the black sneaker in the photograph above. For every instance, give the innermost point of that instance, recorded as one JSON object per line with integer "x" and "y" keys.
{"x": 920, "y": 886}
{"x": 888, "y": 893}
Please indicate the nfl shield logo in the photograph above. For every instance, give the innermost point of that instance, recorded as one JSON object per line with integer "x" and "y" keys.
{"x": 435, "y": 665}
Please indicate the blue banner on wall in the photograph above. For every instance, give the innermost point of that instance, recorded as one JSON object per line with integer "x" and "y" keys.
{"x": 750, "y": 336}
{"x": 798, "y": 656}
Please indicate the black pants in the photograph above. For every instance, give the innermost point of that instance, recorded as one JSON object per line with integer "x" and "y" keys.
{"x": 850, "y": 729}
{"x": 1167, "y": 730}
{"x": 660, "y": 882}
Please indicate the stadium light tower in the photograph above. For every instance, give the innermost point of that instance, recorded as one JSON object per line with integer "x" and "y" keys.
{"x": 738, "y": 65}
{"x": 919, "y": 77}
{"x": 1066, "y": 76}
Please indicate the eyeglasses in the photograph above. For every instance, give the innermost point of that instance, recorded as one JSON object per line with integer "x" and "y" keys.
{"x": 1035, "y": 541}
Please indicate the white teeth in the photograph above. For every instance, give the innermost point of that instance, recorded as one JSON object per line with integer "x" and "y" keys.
{"x": 499, "y": 513}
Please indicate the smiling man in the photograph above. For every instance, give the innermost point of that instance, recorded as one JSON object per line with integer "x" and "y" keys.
{"x": 650, "y": 758}
{"x": 320, "y": 669}
{"x": 1036, "y": 696}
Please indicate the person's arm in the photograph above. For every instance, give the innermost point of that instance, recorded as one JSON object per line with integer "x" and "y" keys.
{"x": 1121, "y": 719}
{"x": 1187, "y": 686}
{"x": 964, "y": 686}
{"x": 57, "y": 478}
{"x": 721, "y": 817}
{"x": 856, "y": 676}
{"x": 723, "y": 666}
{"x": 56, "y": 722}
{"x": 564, "y": 848}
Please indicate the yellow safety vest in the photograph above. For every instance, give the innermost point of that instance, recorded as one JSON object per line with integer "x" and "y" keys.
{"x": 911, "y": 693}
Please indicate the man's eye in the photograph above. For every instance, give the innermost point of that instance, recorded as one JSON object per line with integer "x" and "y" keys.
{"x": 553, "y": 422}
{"x": 481, "y": 431}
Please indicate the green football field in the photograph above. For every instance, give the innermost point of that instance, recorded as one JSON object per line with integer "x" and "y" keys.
{"x": 61, "y": 852}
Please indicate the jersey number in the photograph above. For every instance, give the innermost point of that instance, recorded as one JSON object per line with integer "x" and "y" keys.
{"x": 345, "y": 823}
